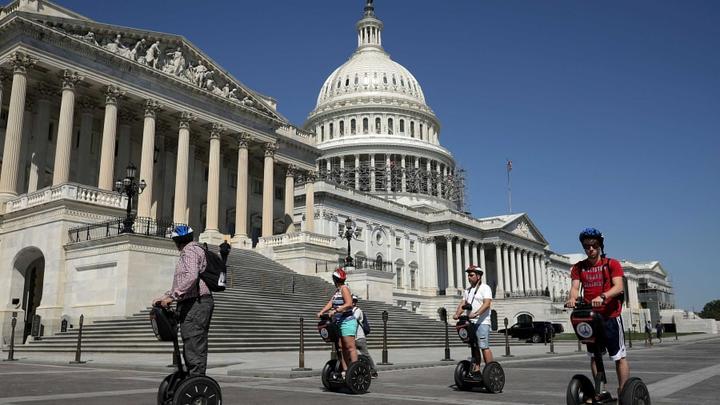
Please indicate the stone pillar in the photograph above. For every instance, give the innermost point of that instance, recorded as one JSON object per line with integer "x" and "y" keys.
{"x": 450, "y": 268}
{"x": 357, "y": 172}
{"x": 531, "y": 271}
{"x": 147, "y": 159}
{"x": 40, "y": 136}
{"x": 213, "y": 187}
{"x": 499, "y": 273}
{"x": 388, "y": 173}
{"x": 403, "y": 181}
{"x": 543, "y": 272}
{"x": 526, "y": 277}
{"x": 372, "y": 172}
{"x": 241, "y": 192}
{"x": 458, "y": 264}
{"x": 61, "y": 170}
{"x": 268, "y": 190}
{"x": 13, "y": 132}
{"x": 310, "y": 178}
{"x": 474, "y": 251}
{"x": 513, "y": 268}
{"x": 428, "y": 174}
{"x": 290, "y": 173}
{"x": 107, "y": 155}
{"x": 466, "y": 250}
{"x": 182, "y": 166}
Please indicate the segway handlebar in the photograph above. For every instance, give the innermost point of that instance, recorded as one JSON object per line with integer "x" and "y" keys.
{"x": 580, "y": 303}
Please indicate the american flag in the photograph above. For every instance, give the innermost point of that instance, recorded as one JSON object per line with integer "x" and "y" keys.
{"x": 509, "y": 166}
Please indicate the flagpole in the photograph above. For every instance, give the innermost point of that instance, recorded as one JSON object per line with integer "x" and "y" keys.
{"x": 509, "y": 169}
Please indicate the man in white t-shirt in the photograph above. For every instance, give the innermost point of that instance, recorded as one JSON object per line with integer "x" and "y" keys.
{"x": 360, "y": 340}
{"x": 479, "y": 296}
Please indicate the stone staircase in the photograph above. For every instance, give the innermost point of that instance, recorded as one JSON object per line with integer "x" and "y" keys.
{"x": 259, "y": 312}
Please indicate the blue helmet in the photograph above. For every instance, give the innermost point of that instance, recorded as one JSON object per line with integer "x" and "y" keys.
{"x": 182, "y": 232}
{"x": 592, "y": 233}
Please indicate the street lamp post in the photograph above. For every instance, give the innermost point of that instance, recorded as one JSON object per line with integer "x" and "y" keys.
{"x": 349, "y": 232}
{"x": 130, "y": 188}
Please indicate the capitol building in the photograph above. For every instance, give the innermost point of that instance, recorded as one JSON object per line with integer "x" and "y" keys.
{"x": 82, "y": 99}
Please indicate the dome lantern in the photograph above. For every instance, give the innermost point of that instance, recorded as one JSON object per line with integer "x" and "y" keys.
{"x": 369, "y": 28}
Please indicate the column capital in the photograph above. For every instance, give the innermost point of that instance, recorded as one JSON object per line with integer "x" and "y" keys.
{"x": 86, "y": 105}
{"x": 152, "y": 107}
{"x": 112, "y": 93}
{"x": 216, "y": 130}
{"x": 243, "y": 140}
{"x": 70, "y": 79}
{"x": 310, "y": 176}
{"x": 185, "y": 119}
{"x": 449, "y": 237}
{"x": 20, "y": 62}
{"x": 270, "y": 149}
{"x": 291, "y": 171}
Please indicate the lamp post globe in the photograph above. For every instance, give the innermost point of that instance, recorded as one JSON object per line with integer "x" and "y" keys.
{"x": 348, "y": 235}
{"x": 130, "y": 188}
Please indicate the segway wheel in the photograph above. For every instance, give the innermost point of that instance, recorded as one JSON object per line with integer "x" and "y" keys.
{"x": 494, "y": 377}
{"x": 580, "y": 390}
{"x": 635, "y": 392}
{"x": 198, "y": 390}
{"x": 163, "y": 394}
{"x": 358, "y": 377}
{"x": 462, "y": 370}
{"x": 365, "y": 359}
{"x": 327, "y": 380}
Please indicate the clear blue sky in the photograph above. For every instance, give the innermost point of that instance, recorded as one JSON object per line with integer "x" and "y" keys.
{"x": 610, "y": 111}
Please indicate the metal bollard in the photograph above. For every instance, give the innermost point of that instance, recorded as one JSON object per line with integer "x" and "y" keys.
{"x": 629, "y": 339}
{"x": 384, "y": 350}
{"x": 675, "y": 325}
{"x": 78, "y": 351}
{"x": 507, "y": 340}
{"x": 443, "y": 315}
{"x": 552, "y": 343}
{"x": 11, "y": 352}
{"x": 301, "y": 359}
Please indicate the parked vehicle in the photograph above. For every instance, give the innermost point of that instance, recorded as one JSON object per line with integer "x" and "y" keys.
{"x": 536, "y": 331}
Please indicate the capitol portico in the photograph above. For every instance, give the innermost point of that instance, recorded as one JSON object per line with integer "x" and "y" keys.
{"x": 80, "y": 100}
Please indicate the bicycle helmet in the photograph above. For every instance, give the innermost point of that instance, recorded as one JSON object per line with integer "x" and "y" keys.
{"x": 339, "y": 275}
{"x": 355, "y": 298}
{"x": 182, "y": 234}
{"x": 474, "y": 268}
{"x": 592, "y": 233}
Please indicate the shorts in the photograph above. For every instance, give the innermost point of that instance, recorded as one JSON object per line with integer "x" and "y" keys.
{"x": 482, "y": 331}
{"x": 348, "y": 327}
{"x": 615, "y": 338}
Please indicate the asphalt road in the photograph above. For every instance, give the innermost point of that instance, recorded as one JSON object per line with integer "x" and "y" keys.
{"x": 686, "y": 373}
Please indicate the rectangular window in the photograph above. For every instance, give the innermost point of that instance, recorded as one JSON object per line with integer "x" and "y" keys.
{"x": 397, "y": 241}
{"x": 412, "y": 280}
{"x": 412, "y": 245}
{"x": 398, "y": 276}
{"x": 279, "y": 194}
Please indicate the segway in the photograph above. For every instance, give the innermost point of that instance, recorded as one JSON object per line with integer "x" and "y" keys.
{"x": 589, "y": 329}
{"x": 492, "y": 377}
{"x": 357, "y": 377}
{"x": 179, "y": 387}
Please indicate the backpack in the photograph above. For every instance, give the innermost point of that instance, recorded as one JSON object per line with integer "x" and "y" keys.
{"x": 365, "y": 325}
{"x": 215, "y": 272}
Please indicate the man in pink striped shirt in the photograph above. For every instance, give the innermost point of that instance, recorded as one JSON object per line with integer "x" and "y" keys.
{"x": 194, "y": 301}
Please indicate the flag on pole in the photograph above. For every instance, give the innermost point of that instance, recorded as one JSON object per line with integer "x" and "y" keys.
{"x": 509, "y": 166}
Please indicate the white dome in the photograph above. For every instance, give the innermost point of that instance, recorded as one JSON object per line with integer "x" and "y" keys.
{"x": 370, "y": 72}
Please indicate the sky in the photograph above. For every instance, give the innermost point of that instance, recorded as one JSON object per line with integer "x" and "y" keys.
{"x": 609, "y": 111}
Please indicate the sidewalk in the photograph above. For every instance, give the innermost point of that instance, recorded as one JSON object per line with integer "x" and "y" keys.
{"x": 280, "y": 364}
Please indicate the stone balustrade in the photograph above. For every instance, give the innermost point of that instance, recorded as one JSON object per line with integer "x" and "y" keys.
{"x": 298, "y": 237}
{"x": 67, "y": 191}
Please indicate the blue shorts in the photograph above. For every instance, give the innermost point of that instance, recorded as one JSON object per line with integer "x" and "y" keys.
{"x": 482, "y": 331}
{"x": 615, "y": 338}
{"x": 348, "y": 327}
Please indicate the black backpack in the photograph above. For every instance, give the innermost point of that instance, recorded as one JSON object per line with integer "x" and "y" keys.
{"x": 215, "y": 272}
{"x": 365, "y": 325}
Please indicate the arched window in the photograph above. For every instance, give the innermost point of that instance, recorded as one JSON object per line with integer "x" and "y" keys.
{"x": 356, "y": 80}
{"x": 413, "y": 275}
{"x": 378, "y": 262}
{"x": 394, "y": 81}
{"x": 365, "y": 125}
{"x": 412, "y": 129}
{"x": 399, "y": 267}
{"x": 402, "y": 126}
{"x": 385, "y": 79}
{"x": 322, "y": 133}
{"x": 421, "y": 131}
{"x": 390, "y": 126}
{"x": 347, "y": 81}
{"x": 352, "y": 126}
{"x": 331, "y": 131}
{"x": 378, "y": 124}
{"x": 342, "y": 127}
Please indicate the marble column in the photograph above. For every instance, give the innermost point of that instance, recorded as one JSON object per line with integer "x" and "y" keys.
{"x": 40, "y": 136}
{"x": 531, "y": 271}
{"x": 107, "y": 154}
{"x": 466, "y": 251}
{"x": 63, "y": 145}
{"x": 499, "y": 273}
{"x": 506, "y": 269}
{"x": 403, "y": 181}
{"x": 474, "y": 251}
{"x": 182, "y": 166}
{"x": 450, "y": 268}
{"x": 343, "y": 174}
{"x": 213, "y": 187}
{"x": 290, "y": 173}
{"x": 357, "y": 172}
{"x": 458, "y": 264}
{"x": 428, "y": 175}
{"x": 268, "y": 190}
{"x": 372, "y": 172}
{"x": 241, "y": 191}
{"x": 13, "y": 132}
{"x": 310, "y": 178}
{"x": 388, "y": 174}
{"x": 513, "y": 268}
{"x": 544, "y": 273}
{"x": 147, "y": 159}
{"x": 526, "y": 276}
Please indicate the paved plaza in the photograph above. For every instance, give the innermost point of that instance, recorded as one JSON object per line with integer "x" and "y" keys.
{"x": 677, "y": 372}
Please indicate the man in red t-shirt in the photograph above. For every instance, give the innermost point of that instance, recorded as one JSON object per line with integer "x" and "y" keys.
{"x": 602, "y": 281}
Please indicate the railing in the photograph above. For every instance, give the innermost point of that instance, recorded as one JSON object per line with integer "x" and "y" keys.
{"x": 298, "y": 237}
{"x": 529, "y": 293}
{"x": 102, "y": 230}
{"x": 67, "y": 191}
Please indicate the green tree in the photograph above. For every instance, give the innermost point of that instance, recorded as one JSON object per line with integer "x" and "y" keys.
{"x": 711, "y": 310}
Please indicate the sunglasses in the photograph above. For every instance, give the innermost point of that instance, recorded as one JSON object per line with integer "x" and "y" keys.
{"x": 591, "y": 245}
